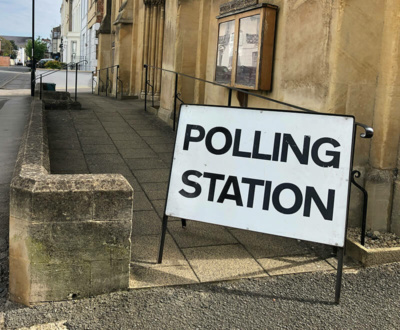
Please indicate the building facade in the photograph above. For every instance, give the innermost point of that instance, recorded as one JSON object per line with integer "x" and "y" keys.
{"x": 71, "y": 30}
{"x": 338, "y": 57}
{"x": 55, "y": 42}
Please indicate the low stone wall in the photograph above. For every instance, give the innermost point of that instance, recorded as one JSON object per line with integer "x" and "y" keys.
{"x": 69, "y": 234}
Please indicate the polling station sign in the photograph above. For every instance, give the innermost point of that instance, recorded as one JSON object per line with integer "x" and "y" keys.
{"x": 277, "y": 172}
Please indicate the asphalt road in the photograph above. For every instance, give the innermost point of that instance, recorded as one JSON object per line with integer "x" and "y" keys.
{"x": 14, "y": 78}
{"x": 370, "y": 300}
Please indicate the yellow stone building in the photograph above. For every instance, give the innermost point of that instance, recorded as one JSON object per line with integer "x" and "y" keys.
{"x": 333, "y": 56}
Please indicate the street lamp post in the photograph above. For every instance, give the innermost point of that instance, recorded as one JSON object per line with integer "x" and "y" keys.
{"x": 33, "y": 64}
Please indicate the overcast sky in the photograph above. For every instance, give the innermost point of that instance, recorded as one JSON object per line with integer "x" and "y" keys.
{"x": 16, "y": 17}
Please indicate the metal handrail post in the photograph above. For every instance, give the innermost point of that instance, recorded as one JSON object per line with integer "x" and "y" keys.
{"x": 230, "y": 98}
{"x": 66, "y": 80}
{"x": 76, "y": 80}
{"x": 176, "y": 96}
{"x": 107, "y": 83}
{"x": 145, "y": 89}
{"x": 116, "y": 83}
{"x": 41, "y": 86}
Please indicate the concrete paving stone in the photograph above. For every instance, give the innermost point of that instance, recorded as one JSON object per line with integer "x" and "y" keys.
{"x": 348, "y": 263}
{"x": 155, "y": 186}
{"x": 63, "y": 134}
{"x": 159, "y": 205}
{"x": 107, "y": 159}
{"x": 126, "y": 110}
{"x": 141, "y": 202}
{"x": 91, "y": 133}
{"x": 156, "y": 195}
{"x": 116, "y": 124}
{"x": 157, "y": 175}
{"x": 83, "y": 127}
{"x": 116, "y": 130}
{"x": 158, "y": 139}
{"x": 95, "y": 140}
{"x": 141, "y": 122}
{"x": 264, "y": 245}
{"x": 141, "y": 125}
{"x": 320, "y": 250}
{"x": 82, "y": 114}
{"x": 166, "y": 157}
{"x": 99, "y": 149}
{"x": 132, "y": 116}
{"x": 152, "y": 132}
{"x": 68, "y": 166}
{"x": 104, "y": 118}
{"x": 138, "y": 153}
{"x": 65, "y": 144}
{"x": 145, "y": 223}
{"x": 161, "y": 148}
{"x": 133, "y": 182}
{"x": 131, "y": 137}
{"x": 145, "y": 276}
{"x": 294, "y": 264}
{"x": 109, "y": 168}
{"x": 144, "y": 163}
{"x": 223, "y": 262}
{"x": 145, "y": 250}
{"x": 86, "y": 121}
{"x": 67, "y": 155}
{"x": 199, "y": 234}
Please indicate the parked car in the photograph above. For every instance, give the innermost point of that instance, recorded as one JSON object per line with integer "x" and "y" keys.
{"x": 42, "y": 62}
{"x": 28, "y": 63}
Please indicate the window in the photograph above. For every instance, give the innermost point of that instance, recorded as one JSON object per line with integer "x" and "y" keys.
{"x": 245, "y": 48}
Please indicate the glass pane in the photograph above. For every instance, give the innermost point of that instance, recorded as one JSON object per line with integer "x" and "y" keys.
{"x": 247, "y": 60}
{"x": 226, "y": 39}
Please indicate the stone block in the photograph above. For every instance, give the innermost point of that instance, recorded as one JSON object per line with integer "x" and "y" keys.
{"x": 62, "y": 206}
{"x": 379, "y": 184}
{"x": 112, "y": 205}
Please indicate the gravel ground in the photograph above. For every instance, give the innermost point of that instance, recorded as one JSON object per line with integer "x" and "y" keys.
{"x": 375, "y": 239}
{"x": 370, "y": 300}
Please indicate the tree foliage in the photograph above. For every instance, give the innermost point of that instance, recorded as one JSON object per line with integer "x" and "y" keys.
{"x": 8, "y": 48}
{"x": 40, "y": 49}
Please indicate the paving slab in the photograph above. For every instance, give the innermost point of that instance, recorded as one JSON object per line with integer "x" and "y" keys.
{"x": 226, "y": 262}
{"x": 294, "y": 264}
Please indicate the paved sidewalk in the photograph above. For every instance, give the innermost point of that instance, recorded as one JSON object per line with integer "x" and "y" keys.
{"x": 111, "y": 136}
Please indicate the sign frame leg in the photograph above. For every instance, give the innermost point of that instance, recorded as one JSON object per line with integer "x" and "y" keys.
{"x": 162, "y": 240}
{"x": 340, "y": 254}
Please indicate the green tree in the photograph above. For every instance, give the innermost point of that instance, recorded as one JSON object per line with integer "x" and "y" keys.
{"x": 8, "y": 48}
{"x": 40, "y": 49}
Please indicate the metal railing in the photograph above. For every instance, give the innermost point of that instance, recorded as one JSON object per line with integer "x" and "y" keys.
{"x": 48, "y": 73}
{"x": 100, "y": 82}
{"x": 367, "y": 134}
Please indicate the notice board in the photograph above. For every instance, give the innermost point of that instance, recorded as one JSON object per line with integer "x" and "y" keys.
{"x": 278, "y": 172}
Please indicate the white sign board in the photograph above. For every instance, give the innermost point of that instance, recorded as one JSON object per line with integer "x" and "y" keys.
{"x": 277, "y": 172}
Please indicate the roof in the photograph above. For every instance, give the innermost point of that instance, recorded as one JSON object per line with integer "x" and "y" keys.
{"x": 19, "y": 41}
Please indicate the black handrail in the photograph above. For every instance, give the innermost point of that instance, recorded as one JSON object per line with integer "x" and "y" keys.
{"x": 367, "y": 134}
{"x": 369, "y": 131}
{"x": 71, "y": 64}
{"x": 108, "y": 80}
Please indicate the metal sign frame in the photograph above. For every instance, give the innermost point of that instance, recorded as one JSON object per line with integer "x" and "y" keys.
{"x": 339, "y": 250}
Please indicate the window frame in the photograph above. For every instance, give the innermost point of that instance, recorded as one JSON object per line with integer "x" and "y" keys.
{"x": 265, "y": 49}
